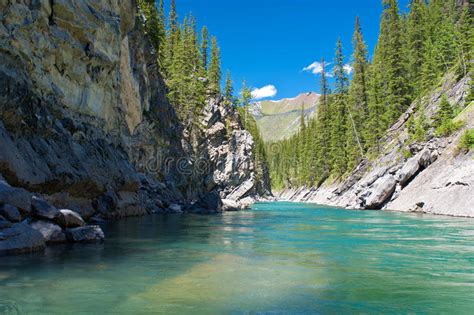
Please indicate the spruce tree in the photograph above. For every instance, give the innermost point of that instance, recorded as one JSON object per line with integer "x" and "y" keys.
{"x": 229, "y": 88}
{"x": 204, "y": 46}
{"x": 338, "y": 112}
{"x": 397, "y": 83}
{"x": 465, "y": 38}
{"x": 358, "y": 106}
{"x": 322, "y": 158}
{"x": 417, "y": 33}
{"x": 214, "y": 73}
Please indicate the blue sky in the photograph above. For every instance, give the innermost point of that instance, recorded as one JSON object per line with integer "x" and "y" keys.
{"x": 269, "y": 42}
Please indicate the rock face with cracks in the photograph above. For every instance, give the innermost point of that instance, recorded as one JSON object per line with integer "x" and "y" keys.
{"x": 85, "y": 125}
{"x": 436, "y": 177}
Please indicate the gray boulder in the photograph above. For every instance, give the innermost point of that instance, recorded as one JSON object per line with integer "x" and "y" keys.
{"x": 414, "y": 165}
{"x": 175, "y": 208}
{"x": 52, "y": 233}
{"x": 85, "y": 234}
{"x": 380, "y": 192}
{"x": 230, "y": 205}
{"x": 70, "y": 219}
{"x": 43, "y": 210}
{"x": 408, "y": 171}
{"x": 20, "y": 238}
{"x": 4, "y": 223}
{"x": 10, "y": 213}
{"x": 16, "y": 197}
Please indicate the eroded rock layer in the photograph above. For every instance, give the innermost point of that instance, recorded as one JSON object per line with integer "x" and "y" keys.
{"x": 85, "y": 123}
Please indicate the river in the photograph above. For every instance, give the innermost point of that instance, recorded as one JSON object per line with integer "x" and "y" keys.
{"x": 277, "y": 258}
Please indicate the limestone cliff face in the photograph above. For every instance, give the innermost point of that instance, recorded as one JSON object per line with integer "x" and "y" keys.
{"x": 84, "y": 118}
{"x": 435, "y": 178}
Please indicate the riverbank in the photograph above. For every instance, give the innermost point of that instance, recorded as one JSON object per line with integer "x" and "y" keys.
{"x": 433, "y": 176}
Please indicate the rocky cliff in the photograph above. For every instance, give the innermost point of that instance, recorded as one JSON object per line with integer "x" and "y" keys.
{"x": 85, "y": 124}
{"x": 430, "y": 177}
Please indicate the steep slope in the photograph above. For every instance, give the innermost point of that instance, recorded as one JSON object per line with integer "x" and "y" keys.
{"x": 85, "y": 123}
{"x": 431, "y": 177}
{"x": 280, "y": 119}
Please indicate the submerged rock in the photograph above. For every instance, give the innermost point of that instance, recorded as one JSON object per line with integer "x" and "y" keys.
{"x": 20, "y": 238}
{"x": 85, "y": 234}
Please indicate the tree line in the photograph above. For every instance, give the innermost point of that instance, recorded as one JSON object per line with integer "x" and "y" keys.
{"x": 189, "y": 60}
{"x": 413, "y": 52}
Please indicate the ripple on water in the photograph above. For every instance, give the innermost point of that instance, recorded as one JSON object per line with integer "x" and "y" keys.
{"x": 278, "y": 258}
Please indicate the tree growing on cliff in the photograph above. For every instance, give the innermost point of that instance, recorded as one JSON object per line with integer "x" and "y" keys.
{"x": 214, "y": 72}
{"x": 229, "y": 88}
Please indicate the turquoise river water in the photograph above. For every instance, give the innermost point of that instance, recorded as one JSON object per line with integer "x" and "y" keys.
{"x": 278, "y": 258}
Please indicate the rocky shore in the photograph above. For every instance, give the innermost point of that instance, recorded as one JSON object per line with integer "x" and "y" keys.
{"x": 424, "y": 177}
{"x": 85, "y": 126}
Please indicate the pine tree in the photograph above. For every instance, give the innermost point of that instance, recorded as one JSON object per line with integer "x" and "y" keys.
{"x": 204, "y": 46}
{"x": 302, "y": 118}
{"x": 377, "y": 92}
{"x": 214, "y": 72}
{"x": 417, "y": 33}
{"x": 358, "y": 107}
{"x": 465, "y": 37}
{"x": 397, "y": 83}
{"x": 246, "y": 95}
{"x": 154, "y": 25}
{"x": 338, "y": 112}
{"x": 443, "y": 118}
{"x": 323, "y": 137}
{"x": 229, "y": 88}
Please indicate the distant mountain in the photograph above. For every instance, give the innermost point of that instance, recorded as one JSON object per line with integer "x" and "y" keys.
{"x": 280, "y": 119}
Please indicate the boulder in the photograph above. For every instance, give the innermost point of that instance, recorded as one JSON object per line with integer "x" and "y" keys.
{"x": 4, "y": 223}
{"x": 245, "y": 203}
{"x": 414, "y": 165}
{"x": 52, "y": 233}
{"x": 380, "y": 192}
{"x": 10, "y": 213}
{"x": 16, "y": 197}
{"x": 20, "y": 238}
{"x": 230, "y": 205}
{"x": 175, "y": 208}
{"x": 43, "y": 210}
{"x": 408, "y": 171}
{"x": 70, "y": 219}
{"x": 208, "y": 203}
{"x": 85, "y": 234}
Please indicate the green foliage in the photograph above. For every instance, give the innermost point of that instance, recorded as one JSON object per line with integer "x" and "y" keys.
{"x": 154, "y": 24}
{"x": 413, "y": 52}
{"x": 259, "y": 149}
{"x": 246, "y": 96}
{"x": 443, "y": 120}
{"x": 229, "y": 88}
{"x": 214, "y": 72}
{"x": 467, "y": 140}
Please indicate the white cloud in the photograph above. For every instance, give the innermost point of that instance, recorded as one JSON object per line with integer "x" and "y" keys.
{"x": 263, "y": 92}
{"x": 348, "y": 68}
{"x": 317, "y": 67}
